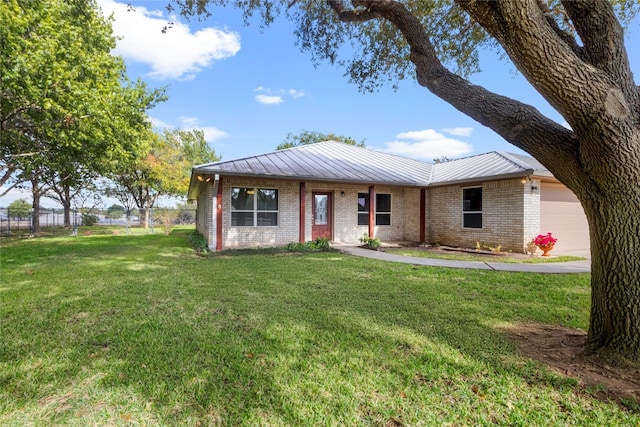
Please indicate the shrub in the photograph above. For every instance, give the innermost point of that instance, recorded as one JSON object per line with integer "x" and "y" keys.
{"x": 89, "y": 219}
{"x": 370, "y": 242}
{"x": 298, "y": 247}
{"x": 166, "y": 218}
{"x": 199, "y": 243}
{"x": 320, "y": 243}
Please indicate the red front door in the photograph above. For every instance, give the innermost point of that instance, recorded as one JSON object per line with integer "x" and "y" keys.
{"x": 321, "y": 219}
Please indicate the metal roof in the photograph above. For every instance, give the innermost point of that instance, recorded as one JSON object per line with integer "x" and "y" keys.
{"x": 339, "y": 162}
{"x": 327, "y": 161}
{"x": 538, "y": 168}
{"x": 482, "y": 166}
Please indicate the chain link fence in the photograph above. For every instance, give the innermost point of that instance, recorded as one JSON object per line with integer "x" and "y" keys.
{"x": 22, "y": 221}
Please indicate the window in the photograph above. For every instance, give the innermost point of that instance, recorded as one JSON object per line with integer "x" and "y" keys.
{"x": 363, "y": 209}
{"x": 382, "y": 209}
{"x": 252, "y": 207}
{"x": 472, "y": 207}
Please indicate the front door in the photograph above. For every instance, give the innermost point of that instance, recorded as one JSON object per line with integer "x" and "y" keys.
{"x": 321, "y": 218}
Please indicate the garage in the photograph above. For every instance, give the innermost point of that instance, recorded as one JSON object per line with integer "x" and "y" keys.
{"x": 563, "y": 216}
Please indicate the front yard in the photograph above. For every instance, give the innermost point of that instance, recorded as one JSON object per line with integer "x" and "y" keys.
{"x": 137, "y": 330}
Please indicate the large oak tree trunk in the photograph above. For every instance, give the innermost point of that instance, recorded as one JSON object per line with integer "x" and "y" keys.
{"x": 589, "y": 82}
{"x": 614, "y": 222}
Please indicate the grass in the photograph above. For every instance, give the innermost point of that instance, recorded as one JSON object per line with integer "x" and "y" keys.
{"x": 459, "y": 256}
{"x": 137, "y": 330}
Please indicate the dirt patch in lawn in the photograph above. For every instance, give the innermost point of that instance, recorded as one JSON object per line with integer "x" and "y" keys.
{"x": 476, "y": 252}
{"x": 468, "y": 254}
{"x": 561, "y": 349}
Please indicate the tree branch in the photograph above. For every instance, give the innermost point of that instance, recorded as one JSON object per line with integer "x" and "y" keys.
{"x": 565, "y": 36}
{"x": 585, "y": 96}
{"x": 520, "y": 124}
{"x": 603, "y": 38}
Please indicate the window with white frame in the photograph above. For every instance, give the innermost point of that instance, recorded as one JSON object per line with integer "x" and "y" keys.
{"x": 251, "y": 207}
{"x": 382, "y": 209}
{"x": 472, "y": 207}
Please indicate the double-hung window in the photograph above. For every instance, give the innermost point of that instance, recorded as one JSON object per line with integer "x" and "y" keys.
{"x": 382, "y": 209}
{"x": 472, "y": 207}
{"x": 363, "y": 208}
{"x": 251, "y": 207}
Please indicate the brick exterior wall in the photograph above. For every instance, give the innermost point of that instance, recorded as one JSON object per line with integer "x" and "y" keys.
{"x": 285, "y": 232}
{"x": 510, "y": 215}
{"x": 507, "y": 205}
{"x": 405, "y": 210}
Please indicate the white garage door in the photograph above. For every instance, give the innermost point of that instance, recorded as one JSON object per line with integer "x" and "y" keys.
{"x": 563, "y": 216}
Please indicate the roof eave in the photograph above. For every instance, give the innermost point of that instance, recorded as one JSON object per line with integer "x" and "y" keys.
{"x": 308, "y": 178}
{"x": 519, "y": 174}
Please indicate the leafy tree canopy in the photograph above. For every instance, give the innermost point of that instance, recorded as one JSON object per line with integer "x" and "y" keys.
{"x": 19, "y": 208}
{"x": 308, "y": 137}
{"x": 66, "y": 100}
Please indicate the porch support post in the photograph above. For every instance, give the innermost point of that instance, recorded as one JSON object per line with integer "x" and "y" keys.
{"x": 219, "y": 216}
{"x": 423, "y": 218}
{"x": 303, "y": 197}
{"x": 372, "y": 209}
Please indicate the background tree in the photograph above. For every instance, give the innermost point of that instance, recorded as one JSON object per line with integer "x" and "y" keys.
{"x": 184, "y": 149}
{"x": 164, "y": 170}
{"x": 442, "y": 159}
{"x": 19, "y": 209}
{"x": 309, "y": 137}
{"x": 115, "y": 211}
{"x": 68, "y": 111}
{"x": 571, "y": 51}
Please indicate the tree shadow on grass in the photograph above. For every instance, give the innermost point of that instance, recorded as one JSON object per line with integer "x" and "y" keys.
{"x": 316, "y": 339}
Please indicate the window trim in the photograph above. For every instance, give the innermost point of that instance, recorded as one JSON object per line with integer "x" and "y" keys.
{"x": 474, "y": 212}
{"x": 255, "y": 211}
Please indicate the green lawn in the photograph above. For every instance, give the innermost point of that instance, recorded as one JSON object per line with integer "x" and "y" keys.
{"x": 137, "y": 330}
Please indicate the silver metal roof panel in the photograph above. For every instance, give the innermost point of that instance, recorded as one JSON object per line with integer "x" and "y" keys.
{"x": 339, "y": 162}
{"x": 329, "y": 160}
{"x": 481, "y": 166}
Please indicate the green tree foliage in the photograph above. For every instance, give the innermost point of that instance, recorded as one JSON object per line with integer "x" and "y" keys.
{"x": 308, "y": 137}
{"x": 183, "y": 150}
{"x": 68, "y": 111}
{"x": 163, "y": 170}
{"x": 19, "y": 209}
{"x": 115, "y": 211}
{"x": 572, "y": 52}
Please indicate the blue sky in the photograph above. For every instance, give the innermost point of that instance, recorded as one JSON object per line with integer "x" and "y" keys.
{"x": 248, "y": 87}
{"x": 256, "y": 86}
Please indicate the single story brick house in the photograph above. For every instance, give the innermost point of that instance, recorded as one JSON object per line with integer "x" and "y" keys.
{"x": 330, "y": 189}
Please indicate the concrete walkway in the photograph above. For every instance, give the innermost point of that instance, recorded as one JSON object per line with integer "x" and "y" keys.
{"x": 554, "y": 267}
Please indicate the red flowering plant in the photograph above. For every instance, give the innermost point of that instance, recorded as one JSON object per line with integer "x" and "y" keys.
{"x": 545, "y": 240}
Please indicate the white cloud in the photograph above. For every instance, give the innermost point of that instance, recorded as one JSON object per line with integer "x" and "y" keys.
{"x": 176, "y": 54}
{"x": 211, "y": 133}
{"x": 458, "y": 131}
{"x": 427, "y": 144}
{"x": 189, "y": 122}
{"x": 266, "y": 96}
{"x": 157, "y": 123}
{"x": 269, "y": 99}
{"x": 296, "y": 93}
